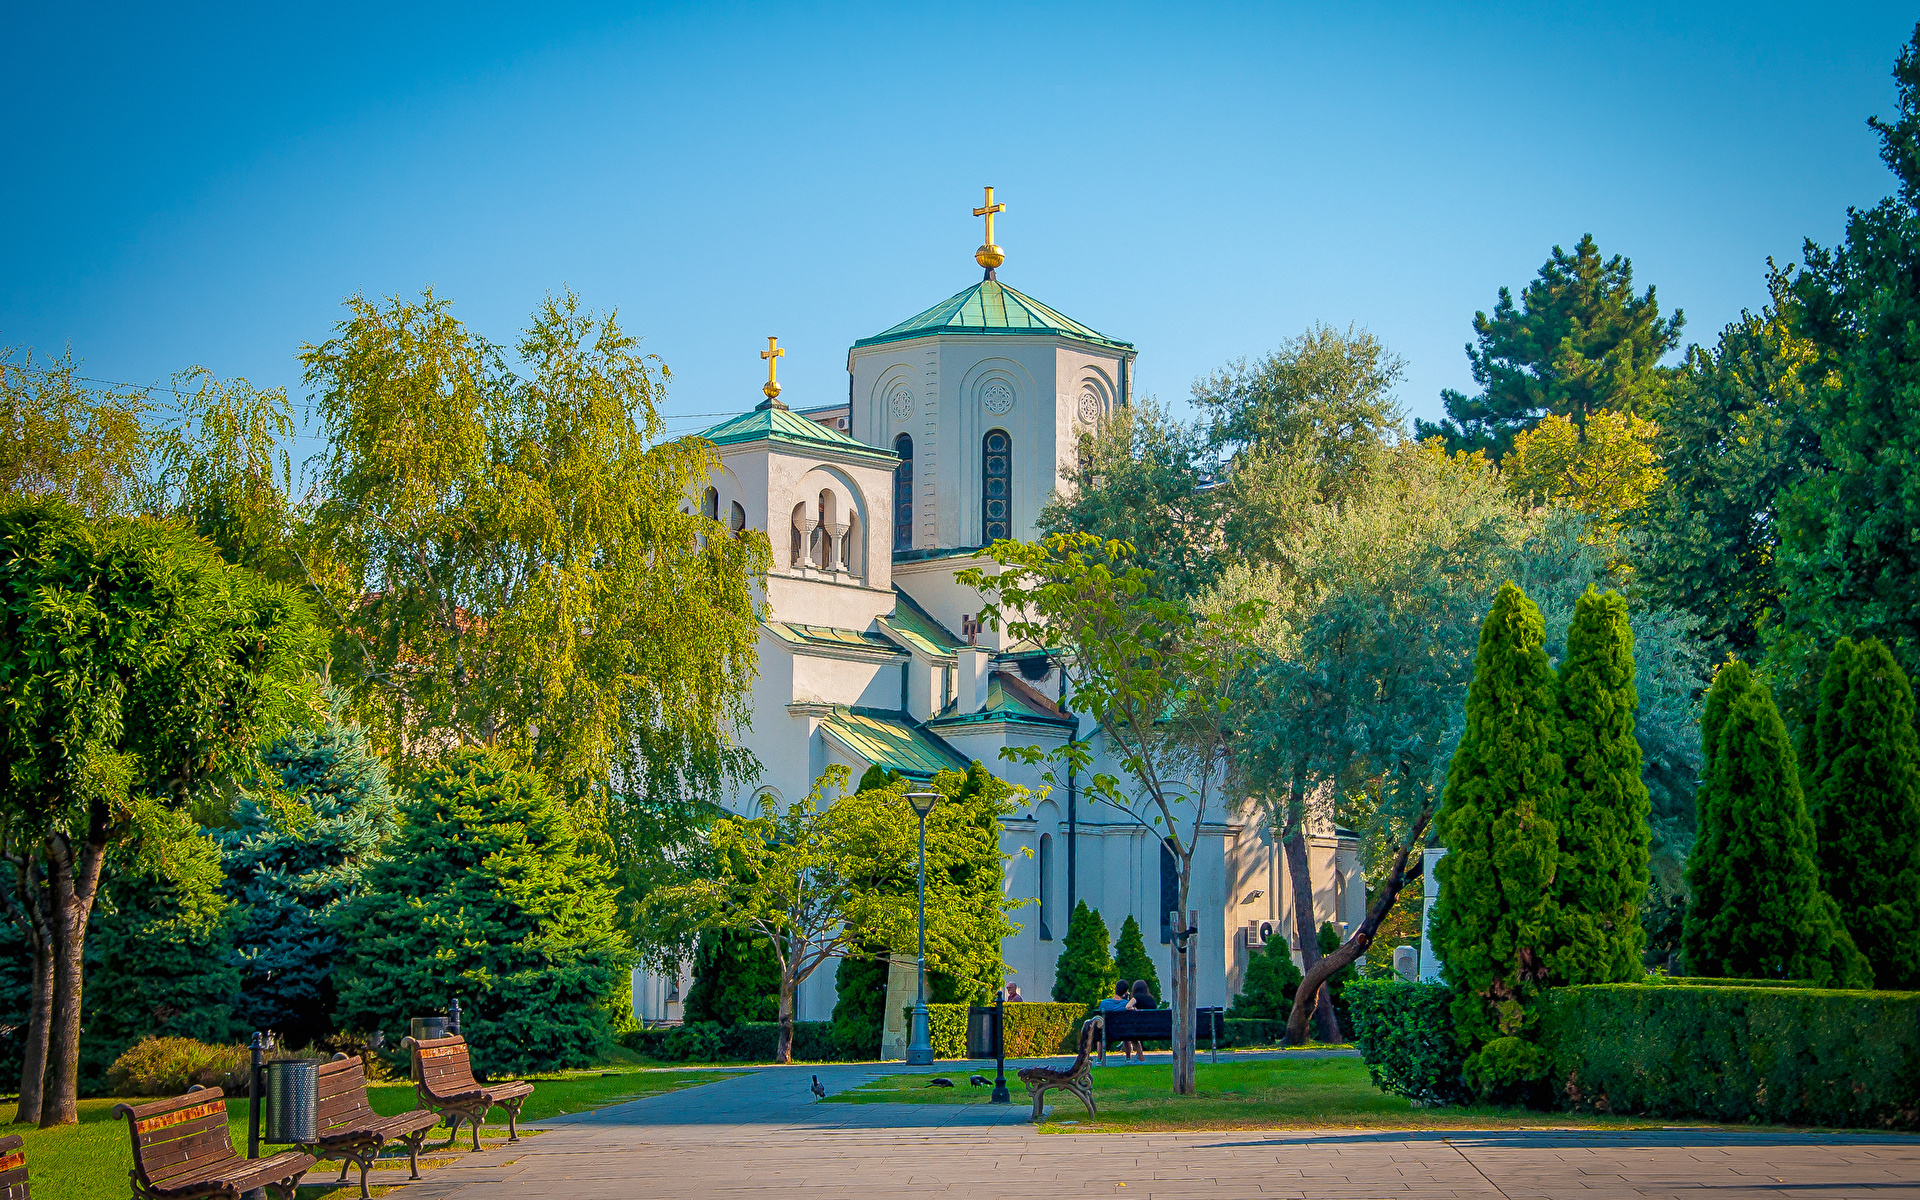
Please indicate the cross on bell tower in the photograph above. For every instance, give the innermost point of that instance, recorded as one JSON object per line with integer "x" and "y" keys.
{"x": 989, "y": 255}
{"x": 773, "y": 354}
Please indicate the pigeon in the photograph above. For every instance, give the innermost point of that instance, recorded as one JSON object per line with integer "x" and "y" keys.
{"x": 979, "y": 1080}
{"x": 941, "y": 1083}
{"x": 816, "y": 1089}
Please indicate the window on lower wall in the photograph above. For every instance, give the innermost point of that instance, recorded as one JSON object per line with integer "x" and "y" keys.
{"x": 1045, "y": 859}
{"x": 1169, "y": 892}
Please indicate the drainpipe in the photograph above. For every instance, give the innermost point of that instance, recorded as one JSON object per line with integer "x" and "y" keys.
{"x": 1073, "y": 813}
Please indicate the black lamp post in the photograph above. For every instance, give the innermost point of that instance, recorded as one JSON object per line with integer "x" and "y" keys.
{"x": 920, "y": 1047}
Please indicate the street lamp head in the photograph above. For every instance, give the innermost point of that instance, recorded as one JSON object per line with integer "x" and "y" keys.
{"x": 923, "y": 802}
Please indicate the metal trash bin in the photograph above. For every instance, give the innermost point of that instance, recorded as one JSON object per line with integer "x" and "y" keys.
{"x": 424, "y": 1029}
{"x": 292, "y": 1112}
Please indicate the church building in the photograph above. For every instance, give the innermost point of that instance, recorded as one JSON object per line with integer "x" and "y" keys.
{"x": 953, "y": 434}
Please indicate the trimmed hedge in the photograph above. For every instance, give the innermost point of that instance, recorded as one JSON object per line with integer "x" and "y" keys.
{"x": 1737, "y": 1053}
{"x": 1706, "y": 981}
{"x": 1405, "y": 1035}
{"x": 749, "y": 1041}
{"x": 1247, "y": 1031}
{"x": 1034, "y": 1030}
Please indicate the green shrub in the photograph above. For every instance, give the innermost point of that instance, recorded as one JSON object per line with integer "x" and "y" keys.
{"x": 1084, "y": 973}
{"x": 158, "y": 1066}
{"x": 1267, "y": 987}
{"x": 1703, "y": 981}
{"x": 1511, "y": 1070}
{"x": 698, "y": 1042}
{"x": 1774, "y": 1055}
{"x": 644, "y": 1042}
{"x": 1034, "y": 1030}
{"x": 1131, "y": 960}
{"x": 1248, "y": 1032}
{"x": 1405, "y": 1034}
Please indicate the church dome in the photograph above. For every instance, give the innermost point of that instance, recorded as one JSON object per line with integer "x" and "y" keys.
{"x": 991, "y": 307}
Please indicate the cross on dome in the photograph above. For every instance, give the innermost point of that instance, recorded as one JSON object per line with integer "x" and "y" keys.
{"x": 773, "y": 354}
{"x": 989, "y": 255}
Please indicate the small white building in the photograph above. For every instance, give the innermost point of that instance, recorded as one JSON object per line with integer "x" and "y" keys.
{"x": 956, "y": 427}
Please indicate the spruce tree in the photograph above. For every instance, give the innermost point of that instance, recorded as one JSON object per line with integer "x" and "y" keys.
{"x": 1602, "y": 880}
{"x": 1864, "y": 797}
{"x": 1084, "y": 973}
{"x": 736, "y": 977}
{"x": 484, "y": 896}
{"x": 1499, "y": 821}
{"x": 1266, "y": 990}
{"x": 1757, "y": 911}
{"x": 303, "y": 836}
{"x": 1131, "y": 960}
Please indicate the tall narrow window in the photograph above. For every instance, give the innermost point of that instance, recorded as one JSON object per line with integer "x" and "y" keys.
{"x": 737, "y": 519}
{"x": 1169, "y": 891}
{"x": 903, "y": 494}
{"x": 710, "y": 504}
{"x": 996, "y": 487}
{"x": 1046, "y": 887}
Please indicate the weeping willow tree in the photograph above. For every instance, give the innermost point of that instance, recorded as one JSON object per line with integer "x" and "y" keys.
{"x": 506, "y": 557}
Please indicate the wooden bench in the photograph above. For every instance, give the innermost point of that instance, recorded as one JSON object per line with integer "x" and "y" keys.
{"x": 443, "y": 1079}
{"x": 13, "y": 1169}
{"x": 1156, "y": 1025}
{"x": 1077, "y": 1079}
{"x": 352, "y": 1132}
{"x": 181, "y": 1151}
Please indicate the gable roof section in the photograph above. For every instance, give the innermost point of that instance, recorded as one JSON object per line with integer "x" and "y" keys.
{"x": 831, "y": 639}
{"x": 1007, "y": 700}
{"x": 768, "y": 423}
{"x": 916, "y": 627}
{"x": 892, "y": 740}
{"x": 991, "y": 307}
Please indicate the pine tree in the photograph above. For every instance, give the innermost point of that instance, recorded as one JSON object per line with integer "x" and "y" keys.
{"x": 484, "y": 896}
{"x": 1757, "y": 911}
{"x": 1579, "y": 341}
{"x": 1499, "y": 820}
{"x": 1266, "y": 990}
{"x": 1131, "y": 960}
{"x": 1084, "y": 973}
{"x": 736, "y": 977}
{"x": 1864, "y": 797}
{"x": 1602, "y": 880}
{"x": 303, "y": 837}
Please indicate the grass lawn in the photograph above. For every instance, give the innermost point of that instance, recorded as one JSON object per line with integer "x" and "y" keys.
{"x": 91, "y": 1160}
{"x": 1269, "y": 1094}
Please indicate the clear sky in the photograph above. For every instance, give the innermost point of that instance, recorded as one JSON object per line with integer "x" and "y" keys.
{"x": 202, "y": 184}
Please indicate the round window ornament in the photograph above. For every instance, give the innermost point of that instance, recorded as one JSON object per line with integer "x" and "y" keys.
{"x": 1090, "y": 406}
{"x": 900, "y": 404}
{"x": 997, "y": 398}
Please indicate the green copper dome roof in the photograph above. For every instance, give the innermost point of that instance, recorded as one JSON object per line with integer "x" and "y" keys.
{"x": 783, "y": 425}
{"x": 991, "y": 307}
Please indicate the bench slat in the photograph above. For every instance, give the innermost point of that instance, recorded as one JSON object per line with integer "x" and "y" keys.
{"x": 185, "y": 1131}
{"x": 186, "y": 1155}
{"x": 185, "y": 1100}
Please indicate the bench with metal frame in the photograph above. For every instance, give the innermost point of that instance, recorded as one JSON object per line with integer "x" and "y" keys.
{"x": 1156, "y": 1025}
{"x": 1077, "y": 1079}
{"x": 444, "y": 1082}
{"x": 181, "y": 1151}
{"x": 13, "y": 1168}
{"x": 352, "y": 1132}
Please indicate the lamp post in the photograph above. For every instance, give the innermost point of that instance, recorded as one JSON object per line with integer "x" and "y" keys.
{"x": 920, "y": 1047}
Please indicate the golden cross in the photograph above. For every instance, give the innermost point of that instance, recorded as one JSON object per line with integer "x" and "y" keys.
{"x": 773, "y": 354}
{"x": 987, "y": 212}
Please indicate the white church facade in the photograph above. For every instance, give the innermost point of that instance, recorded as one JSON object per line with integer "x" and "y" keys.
{"x": 954, "y": 433}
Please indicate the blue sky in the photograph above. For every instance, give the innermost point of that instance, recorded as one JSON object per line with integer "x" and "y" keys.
{"x": 206, "y": 185}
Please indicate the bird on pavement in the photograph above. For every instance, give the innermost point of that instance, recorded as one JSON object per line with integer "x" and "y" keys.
{"x": 816, "y": 1089}
{"x": 941, "y": 1083}
{"x": 979, "y": 1080}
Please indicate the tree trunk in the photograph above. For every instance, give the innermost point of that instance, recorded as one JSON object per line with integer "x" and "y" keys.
{"x": 28, "y": 911}
{"x": 1300, "y": 877}
{"x": 1183, "y": 1005}
{"x": 71, "y": 884}
{"x": 1316, "y": 978}
{"x": 783, "y": 1052}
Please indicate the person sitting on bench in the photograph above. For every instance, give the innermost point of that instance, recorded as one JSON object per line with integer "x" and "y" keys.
{"x": 1118, "y": 1002}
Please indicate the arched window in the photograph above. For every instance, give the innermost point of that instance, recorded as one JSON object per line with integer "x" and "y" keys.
{"x": 1046, "y": 887}
{"x": 710, "y": 504}
{"x": 737, "y": 519}
{"x": 1169, "y": 891}
{"x": 823, "y": 536}
{"x": 903, "y": 494}
{"x": 996, "y": 486}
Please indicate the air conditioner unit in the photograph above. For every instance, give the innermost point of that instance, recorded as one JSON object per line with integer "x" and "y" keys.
{"x": 1259, "y": 933}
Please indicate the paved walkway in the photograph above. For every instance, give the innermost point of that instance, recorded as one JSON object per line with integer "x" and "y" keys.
{"x": 763, "y": 1135}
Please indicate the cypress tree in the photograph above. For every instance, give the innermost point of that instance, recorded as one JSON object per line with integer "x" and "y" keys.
{"x": 1602, "y": 879}
{"x": 1266, "y": 990}
{"x": 303, "y": 836}
{"x": 736, "y": 977}
{"x": 1864, "y": 797}
{"x": 860, "y": 1004}
{"x": 485, "y": 896}
{"x": 1757, "y": 910}
{"x": 1493, "y": 923}
{"x": 1130, "y": 958}
{"x": 1084, "y": 973}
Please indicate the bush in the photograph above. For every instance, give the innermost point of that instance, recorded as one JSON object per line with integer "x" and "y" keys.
{"x": 699, "y": 1042}
{"x": 1034, "y": 1030}
{"x": 644, "y": 1042}
{"x": 1703, "y": 981}
{"x": 1248, "y": 1032}
{"x": 1405, "y": 1034}
{"x": 1084, "y": 972}
{"x": 1266, "y": 990}
{"x": 1736, "y": 1053}
{"x": 158, "y": 1066}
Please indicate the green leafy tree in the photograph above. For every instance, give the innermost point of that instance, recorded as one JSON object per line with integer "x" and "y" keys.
{"x": 1756, "y": 909}
{"x": 1847, "y": 566}
{"x": 483, "y": 896}
{"x": 1157, "y": 679}
{"x": 1493, "y": 925}
{"x": 1579, "y": 341}
{"x": 1737, "y": 430}
{"x": 61, "y": 438}
{"x": 860, "y": 1003}
{"x": 225, "y": 473}
{"x": 1267, "y": 989}
{"x": 510, "y": 559}
{"x": 160, "y": 953}
{"x": 1326, "y": 395}
{"x": 304, "y": 831}
{"x": 736, "y": 977}
{"x": 1084, "y": 972}
{"x": 1602, "y": 881}
{"x": 1130, "y": 958}
{"x": 1864, "y": 796}
{"x": 141, "y": 669}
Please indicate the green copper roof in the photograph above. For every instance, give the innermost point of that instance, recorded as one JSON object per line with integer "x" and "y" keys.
{"x": 915, "y": 626}
{"x": 1004, "y": 703}
{"x": 832, "y": 638}
{"x": 991, "y": 307}
{"x": 893, "y": 740}
{"x": 784, "y": 425}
